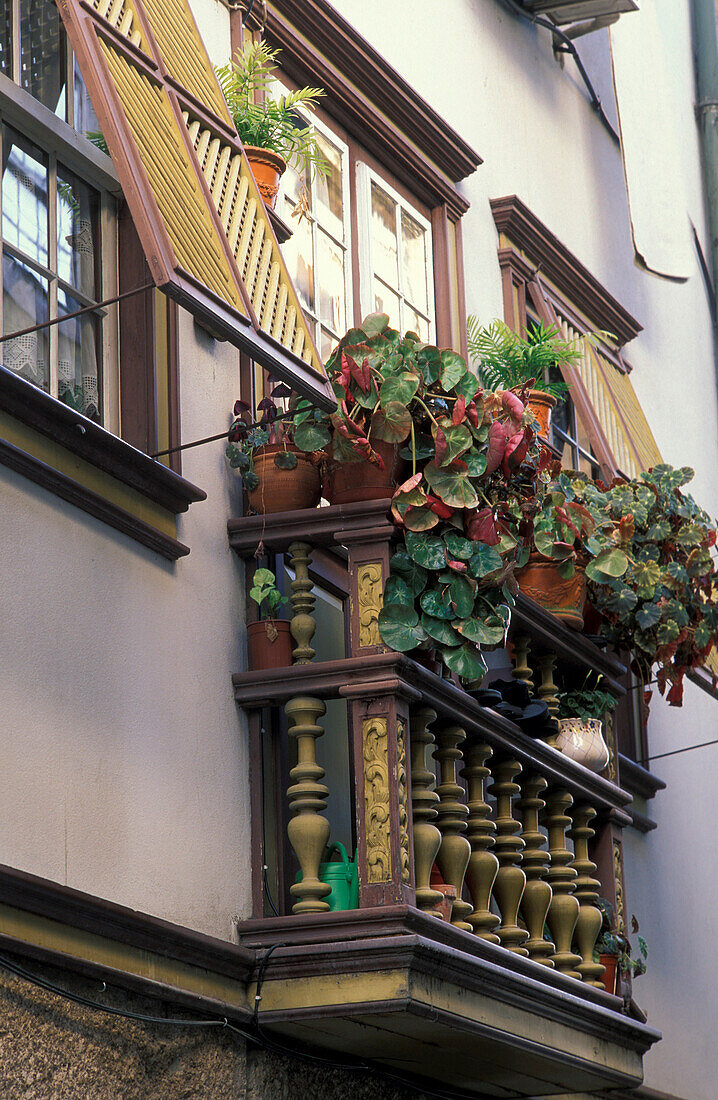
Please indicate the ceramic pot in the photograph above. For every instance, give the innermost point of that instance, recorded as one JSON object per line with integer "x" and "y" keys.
{"x": 444, "y": 907}
{"x": 541, "y": 405}
{"x": 610, "y": 962}
{"x": 540, "y": 580}
{"x": 283, "y": 490}
{"x": 581, "y": 739}
{"x": 267, "y": 168}
{"x": 348, "y": 482}
{"x": 270, "y": 644}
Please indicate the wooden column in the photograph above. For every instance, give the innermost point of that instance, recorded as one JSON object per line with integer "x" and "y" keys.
{"x": 483, "y": 864}
{"x": 535, "y": 859}
{"x": 588, "y": 925}
{"x": 308, "y": 830}
{"x": 452, "y": 813}
{"x": 369, "y": 553}
{"x": 510, "y": 880}
{"x": 424, "y": 800}
{"x": 548, "y": 690}
{"x": 563, "y": 911}
{"x": 521, "y": 646}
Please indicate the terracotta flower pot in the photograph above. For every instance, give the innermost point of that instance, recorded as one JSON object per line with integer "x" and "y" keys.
{"x": 540, "y": 580}
{"x": 353, "y": 481}
{"x": 609, "y": 977}
{"x": 541, "y": 405}
{"x": 444, "y": 907}
{"x": 283, "y": 490}
{"x": 267, "y": 168}
{"x": 582, "y": 741}
{"x": 270, "y": 644}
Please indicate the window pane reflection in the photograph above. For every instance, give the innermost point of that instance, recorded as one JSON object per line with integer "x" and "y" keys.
{"x": 77, "y": 364}
{"x": 24, "y": 197}
{"x": 299, "y": 259}
{"x": 413, "y": 259}
{"x": 77, "y": 211}
{"x": 385, "y": 301}
{"x": 330, "y": 206}
{"x": 6, "y": 39}
{"x": 416, "y": 323}
{"x": 25, "y": 303}
{"x": 42, "y": 50}
{"x": 383, "y": 229}
{"x": 85, "y": 119}
{"x": 330, "y": 261}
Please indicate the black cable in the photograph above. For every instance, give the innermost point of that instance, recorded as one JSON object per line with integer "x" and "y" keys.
{"x": 272, "y": 906}
{"x": 570, "y": 48}
{"x": 677, "y": 752}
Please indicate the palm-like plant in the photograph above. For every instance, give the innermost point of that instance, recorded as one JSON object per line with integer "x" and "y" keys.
{"x": 504, "y": 360}
{"x": 271, "y": 123}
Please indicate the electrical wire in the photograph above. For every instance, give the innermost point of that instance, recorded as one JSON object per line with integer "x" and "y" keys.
{"x": 677, "y": 752}
{"x": 569, "y": 47}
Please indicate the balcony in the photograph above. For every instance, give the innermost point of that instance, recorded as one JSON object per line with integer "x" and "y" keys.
{"x": 487, "y": 961}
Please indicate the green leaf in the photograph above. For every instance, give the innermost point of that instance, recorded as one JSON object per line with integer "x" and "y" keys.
{"x": 453, "y": 368}
{"x": 467, "y": 385}
{"x": 392, "y": 423}
{"x": 667, "y": 632}
{"x": 428, "y": 361}
{"x": 439, "y": 630}
{"x": 484, "y": 560}
{"x": 466, "y": 661}
{"x": 426, "y": 550}
{"x": 458, "y": 439}
{"x": 647, "y": 575}
{"x": 611, "y": 562}
{"x": 436, "y": 602}
{"x": 399, "y": 387}
{"x": 648, "y": 616}
{"x": 622, "y": 601}
{"x": 250, "y": 481}
{"x": 483, "y": 632}
{"x": 311, "y": 436}
{"x": 566, "y": 569}
{"x": 420, "y": 519}
{"x": 659, "y": 531}
{"x": 476, "y": 462}
{"x": 703, "y": 635}
{"x": 375, "y": 324}
{"x": 286, "y": 460}
{"x": 458, "y": 546}
{"x": 398, "y": 591}
{"x": 400, "y": 628}
{"x": 461, "y": 592}
{"x": 451, "y": 486}
{"x": 413, "y": 575}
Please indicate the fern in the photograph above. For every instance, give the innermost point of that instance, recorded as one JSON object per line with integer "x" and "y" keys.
{"x": 271, "y": 123}
{"x": 504, "y": 360}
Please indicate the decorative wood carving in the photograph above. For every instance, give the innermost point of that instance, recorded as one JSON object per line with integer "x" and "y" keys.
{"x": 455, "y": 849}
{"x": 521, "y": 645}
{"x": 376, "y": 799}
{"x": 563, "y": 911}
{"x": 483, "y": 864}
{"x": 403, "y": 800}
{"x": 370, "y": 586}
{"x": 618, "y": 878}
{"x": 588, "y": 925}
{"x": 302, "y": 624}
{"x": 308, "y": 831}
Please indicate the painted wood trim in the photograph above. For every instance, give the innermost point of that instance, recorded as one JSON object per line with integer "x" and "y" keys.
{"x": 521, "y": 226}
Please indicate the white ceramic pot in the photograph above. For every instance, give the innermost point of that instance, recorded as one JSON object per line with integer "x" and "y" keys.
{"x": 580, "y": 738}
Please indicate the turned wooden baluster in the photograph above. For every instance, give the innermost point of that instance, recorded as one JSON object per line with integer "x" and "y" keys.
{"x": 424, "y": 799}
{"x": 534, "y": 860}
{"x": 563, "y": 910}
{"x": 510, "y": 879}
{"x": 548, "y": 690}
{"x": 455, "y": 849}
{"x": 589, "y": 917}
{"x": 522, "y": 670}
{"x": 307, "y": 830}
{"x": 483, "y": 864}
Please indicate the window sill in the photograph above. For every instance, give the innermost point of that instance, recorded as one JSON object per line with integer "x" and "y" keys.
{"x": 638, "y": 780}
{"x": 83, "y": 463}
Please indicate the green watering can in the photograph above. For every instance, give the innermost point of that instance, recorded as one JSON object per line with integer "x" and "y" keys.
{"x": 343, "y": 877}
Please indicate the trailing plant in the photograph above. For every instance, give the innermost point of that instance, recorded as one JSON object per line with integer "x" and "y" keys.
{"x": 505, "y": 360}
{"x": 664, "y": 606}
{"x": 265, "y": 593}
{"x": 612, "y": 942}
{"x": 270, "y": 123}
{"x": 473, "y": 459}
{"x": 272, "y": 427}
{"x": 586, "y": 701}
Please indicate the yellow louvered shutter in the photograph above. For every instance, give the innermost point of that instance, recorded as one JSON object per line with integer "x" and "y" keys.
{"x": 206, "y": 234}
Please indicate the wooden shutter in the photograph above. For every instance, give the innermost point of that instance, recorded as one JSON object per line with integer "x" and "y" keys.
{"x": 205, "y": 231}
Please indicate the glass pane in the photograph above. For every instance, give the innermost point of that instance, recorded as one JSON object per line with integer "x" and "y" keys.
{"x": 292, "y": 187}
{"x": 330, "y": 278}
{"x": 6, "y": 39}
{"x": 77, "y": 239}
{"x": 387, "y": 302}
{"x": 25, "y": 303}
{"x": 567, "y": 449}
{"x": 327, "y": 343}
{"x": 24, "y": 197}
{"x": 415, "y": 322}
{"x": 85, "y": 117}
{"x": 413, "y": 260}
{"x": 42, "y": 50}
{"x": 78, "y": 380}
{"x": 330, "y": 207}
{"x": 299, "y": 258}
{"x": 385, "y": 257}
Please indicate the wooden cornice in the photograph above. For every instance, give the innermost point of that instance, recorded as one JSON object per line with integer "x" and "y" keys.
{"x": 371, "y": 100}
{"x": 574, "y": 281}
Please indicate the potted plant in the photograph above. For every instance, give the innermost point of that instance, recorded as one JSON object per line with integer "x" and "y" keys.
{"x": 663, "y": 606}
{"x": 269, "y": 639}
{"x": 567, "y": 535}
{"x": 614, "y": 951}
{"x": 268, "y": 129}
{"x": 505, "y": 360}
{"x": 276, "y": 474}
{"x": 580, "y": 720}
